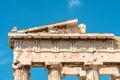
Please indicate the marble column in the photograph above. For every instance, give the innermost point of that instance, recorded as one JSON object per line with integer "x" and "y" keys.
{"x": 92, "y": 73}
{"x": 54, "y": 72}
{"x": 22, "y": 73}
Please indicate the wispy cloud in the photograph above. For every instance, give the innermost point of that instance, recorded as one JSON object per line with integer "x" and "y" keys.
{"x": 74, "y": 3}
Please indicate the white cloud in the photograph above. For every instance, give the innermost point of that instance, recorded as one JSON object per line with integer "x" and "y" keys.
{"x": 74, "y": 3}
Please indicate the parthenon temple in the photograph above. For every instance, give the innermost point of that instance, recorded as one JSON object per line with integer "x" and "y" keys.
{"x": 65, "y": 49}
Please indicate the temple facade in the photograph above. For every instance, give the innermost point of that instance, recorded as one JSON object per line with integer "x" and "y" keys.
{"x": 65, "y": 49}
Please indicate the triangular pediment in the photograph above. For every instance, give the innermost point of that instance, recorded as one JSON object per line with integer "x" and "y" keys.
{"x": 60, "y": 28}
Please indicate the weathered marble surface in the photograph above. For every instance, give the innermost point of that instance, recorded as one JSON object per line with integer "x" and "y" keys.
{"x": 65, "y": 49}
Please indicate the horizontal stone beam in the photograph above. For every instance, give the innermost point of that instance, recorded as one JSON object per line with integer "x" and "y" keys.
{"x": 47, "y": 36}
{"x": 109, "y": 70}
{"x": 73, "y": 71}
{"x": 86, "y": 58}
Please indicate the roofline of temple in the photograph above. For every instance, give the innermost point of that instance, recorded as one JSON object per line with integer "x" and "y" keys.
{"x": 74, "y": 21}
{"x": 26, "y": 34}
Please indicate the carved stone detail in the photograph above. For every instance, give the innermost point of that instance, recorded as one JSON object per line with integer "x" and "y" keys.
{"x": 21, "y": 72}
{"x": 64, "y": 49}
{"x": 61, "y": 30}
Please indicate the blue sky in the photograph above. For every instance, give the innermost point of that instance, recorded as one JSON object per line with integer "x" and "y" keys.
{"x": 100, "y": 16}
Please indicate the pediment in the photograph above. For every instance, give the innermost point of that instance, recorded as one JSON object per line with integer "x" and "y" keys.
{"x": 60, "y": 28}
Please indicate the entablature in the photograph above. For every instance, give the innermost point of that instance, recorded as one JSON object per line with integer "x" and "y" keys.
{"x": 64, "y": 43}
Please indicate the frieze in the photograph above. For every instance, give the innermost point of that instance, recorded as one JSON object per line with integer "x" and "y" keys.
{"x": 65, "y": 45}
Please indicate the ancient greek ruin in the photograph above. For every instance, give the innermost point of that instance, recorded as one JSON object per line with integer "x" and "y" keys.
{"x": 65, "y": 49}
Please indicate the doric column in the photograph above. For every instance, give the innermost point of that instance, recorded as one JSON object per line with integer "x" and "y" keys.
{"x": 92, "y": 73}
{"x": 21, "y": 72}
{"x": 54, "y": 71}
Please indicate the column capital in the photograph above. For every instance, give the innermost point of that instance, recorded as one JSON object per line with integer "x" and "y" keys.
{"x": 19, "y": 66}
{"x": 82, "y": 78}
{"x": 53, "y": 65}
{"x": 92, "y": 72}
{"x": 21, "y": 72}
{"x": 91, "y": 67}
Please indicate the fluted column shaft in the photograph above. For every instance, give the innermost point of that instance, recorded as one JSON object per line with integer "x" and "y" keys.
{"x": 54, "y": 71}
{"x": 54, "y": 74}
{"x": 22, "y": 73}
{"x": 92, "y": 73}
